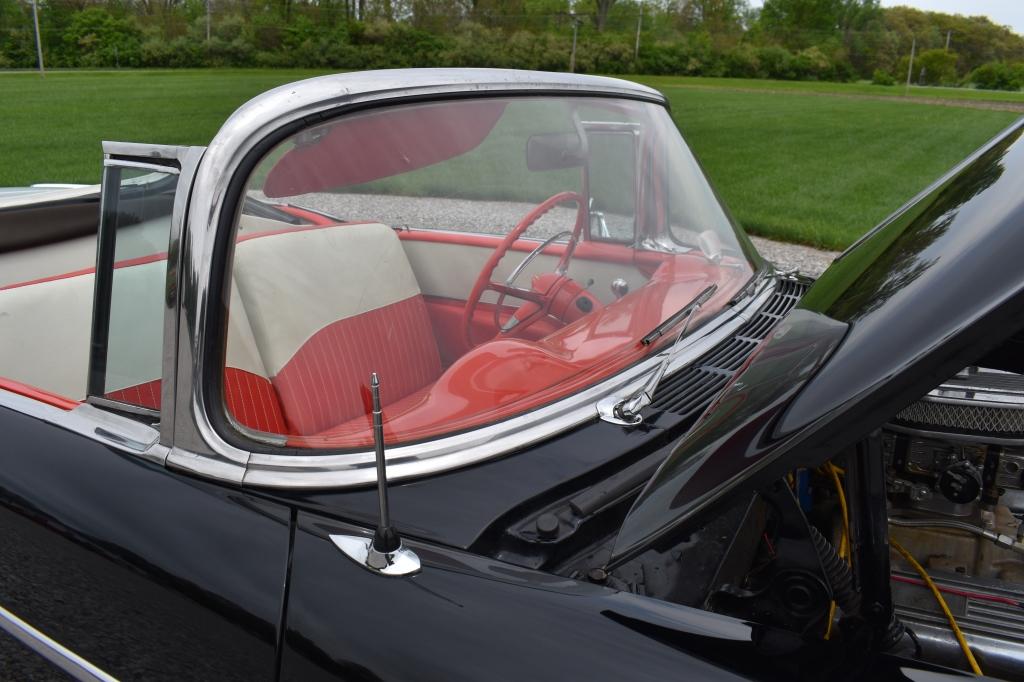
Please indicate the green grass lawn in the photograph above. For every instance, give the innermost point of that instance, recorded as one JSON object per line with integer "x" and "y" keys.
{"x": 819, "y": 170}
{"x": 825, "y": 87}
{"x": 823, "y": 170}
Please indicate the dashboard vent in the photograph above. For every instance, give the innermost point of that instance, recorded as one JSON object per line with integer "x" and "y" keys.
{"x": 689, "y": 391}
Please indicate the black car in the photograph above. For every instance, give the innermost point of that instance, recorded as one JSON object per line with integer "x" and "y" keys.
{"x": 468, "y": 374}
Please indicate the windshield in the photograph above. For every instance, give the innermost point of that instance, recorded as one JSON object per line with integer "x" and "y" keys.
{"x": 483, "y": 256}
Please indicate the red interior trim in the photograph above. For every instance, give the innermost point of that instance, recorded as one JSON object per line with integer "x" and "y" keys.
{"x": 43, "y": 396}
{"x": 609, "y": 252}
{"x": 126, "y": 263}
{"x": 313, "y": 217}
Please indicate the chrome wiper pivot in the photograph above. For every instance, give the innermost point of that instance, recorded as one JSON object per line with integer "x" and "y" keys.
{"x": 625, "y": 411}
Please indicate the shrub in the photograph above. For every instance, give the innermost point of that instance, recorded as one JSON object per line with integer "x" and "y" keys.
{"x": 96, "y": 38}
{"x": 811, "y": 64}
{"x": 880, "y": 77}
{"x": 998, "y": 76}
{"x": 742, "y": 62}
{"x": 776, "y": 62}
{"x": 935, "y": 67}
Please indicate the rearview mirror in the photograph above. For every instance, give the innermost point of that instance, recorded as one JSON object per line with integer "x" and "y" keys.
{"x": 555, "y": 151}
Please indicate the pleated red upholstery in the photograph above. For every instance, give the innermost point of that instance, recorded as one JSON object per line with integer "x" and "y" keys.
{"x": 321, "y": 386}
{"x": 250, "y": 399}
{"x": 143, "y": 395}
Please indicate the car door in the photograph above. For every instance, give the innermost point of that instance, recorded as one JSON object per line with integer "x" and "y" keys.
{"x": 112, "y": 566}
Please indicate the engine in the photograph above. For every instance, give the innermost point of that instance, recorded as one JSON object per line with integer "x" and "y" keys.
{"x": 955, "y": 478}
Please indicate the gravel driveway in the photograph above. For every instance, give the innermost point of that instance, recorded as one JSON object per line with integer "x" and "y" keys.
{"x": 500, "y": 216}
{"x": 806, "y": 259}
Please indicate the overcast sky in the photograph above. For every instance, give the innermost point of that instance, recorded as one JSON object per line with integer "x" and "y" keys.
{"x": 1005, "y": 12}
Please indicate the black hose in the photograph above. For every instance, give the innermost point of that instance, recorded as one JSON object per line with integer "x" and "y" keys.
{"x": 839, "y": 575}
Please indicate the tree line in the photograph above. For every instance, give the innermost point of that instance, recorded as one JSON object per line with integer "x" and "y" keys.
{"x": 836, "y": 40}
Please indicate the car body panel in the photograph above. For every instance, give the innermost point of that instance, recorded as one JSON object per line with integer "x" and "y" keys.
{"x": 144, "y": 573}
{"x": 905, "y": 327}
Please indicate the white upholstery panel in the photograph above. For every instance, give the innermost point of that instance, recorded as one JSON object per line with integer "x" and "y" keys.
{"x": 449, "y": 269}
{"x": 47, "y": 260}
{"x": 44, "y": 334}
{"x": 295, "y": 283}
{"x": 242, "y": 352}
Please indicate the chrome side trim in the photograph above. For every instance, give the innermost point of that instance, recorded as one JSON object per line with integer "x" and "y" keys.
{"x": 113, "y": 430}
{"x": 155, "y": 167}
{"x": 142, "y": 150}
{"x": 52, "y": 651}
{"x": 404, "y": 462}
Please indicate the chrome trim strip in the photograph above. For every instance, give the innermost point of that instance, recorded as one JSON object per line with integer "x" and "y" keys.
{"x": 57, "y": 654}
{"x": 141, "y": 150}
{"x": 113, "y": 430}
{"x": 155, "y": 167}
{"x": 404, "y": 462}
{"x": 983, "y": 399}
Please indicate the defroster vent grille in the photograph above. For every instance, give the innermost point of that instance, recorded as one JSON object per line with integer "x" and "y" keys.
{"x": 689, "y": 391}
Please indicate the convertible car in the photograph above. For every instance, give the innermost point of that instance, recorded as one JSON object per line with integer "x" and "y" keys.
{"x": 469, "y": 375}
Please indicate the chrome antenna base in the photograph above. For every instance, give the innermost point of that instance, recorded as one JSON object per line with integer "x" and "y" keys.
{"x": 401, "y": 562}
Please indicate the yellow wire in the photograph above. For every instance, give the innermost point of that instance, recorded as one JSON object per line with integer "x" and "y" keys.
{"x": 834, "y": 471}
{"x": 942, "y": 603}
{"x": 844, "y": 549}
{"x": 844, "y": 541}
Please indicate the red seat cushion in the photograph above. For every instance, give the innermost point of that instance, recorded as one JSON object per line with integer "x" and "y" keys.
{"x": 250, "y": 399}
{"x": 325, "y": 382}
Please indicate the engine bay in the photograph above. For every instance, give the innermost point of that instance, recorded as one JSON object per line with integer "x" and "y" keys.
{"x": 954, "y": 462}
{"x": 949, "y": 473}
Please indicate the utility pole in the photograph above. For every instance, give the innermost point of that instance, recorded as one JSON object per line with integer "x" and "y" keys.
{"x": 910, "y": 66}
{"x": 639, "y": 23}
{"x": 948, "y": 34}
{"x": 39, "y": 42}
{"x": 572, "y": 57}
{"x": 207, "y": 20}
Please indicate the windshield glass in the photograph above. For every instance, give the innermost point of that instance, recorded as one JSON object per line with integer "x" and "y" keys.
{"x": 483, "y": 256}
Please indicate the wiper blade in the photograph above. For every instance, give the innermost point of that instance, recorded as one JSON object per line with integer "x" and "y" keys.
{"x": 751, "y": 286}
{"x": 626, "y": 411}
{"x": 684, "y": 313}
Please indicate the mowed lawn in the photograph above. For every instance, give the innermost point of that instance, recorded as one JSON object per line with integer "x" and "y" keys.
{"x": 823, "y": 170}
{"x": 818, "y": 169}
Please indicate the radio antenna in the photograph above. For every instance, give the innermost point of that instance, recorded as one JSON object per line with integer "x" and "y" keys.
{"x": 384, "y": 552}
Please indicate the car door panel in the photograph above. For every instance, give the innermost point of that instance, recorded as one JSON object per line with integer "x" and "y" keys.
{"x": 461, "y": 618}
{"x": 145, "y": 573}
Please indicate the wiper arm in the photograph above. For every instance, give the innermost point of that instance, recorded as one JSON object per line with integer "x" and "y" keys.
{"x": 751, "y": 286}
{"x": 626, "y": 410}
{"x": 686, "y": 312}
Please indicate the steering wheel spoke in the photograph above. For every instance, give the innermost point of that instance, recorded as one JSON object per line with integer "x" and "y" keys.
{"x": 536, "y": 303}
{"x": 517, "y": 292}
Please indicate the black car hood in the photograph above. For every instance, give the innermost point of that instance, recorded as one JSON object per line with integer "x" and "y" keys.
{"x": 933, "y": 288}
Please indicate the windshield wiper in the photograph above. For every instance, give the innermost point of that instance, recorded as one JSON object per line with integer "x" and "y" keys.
{"x": 626, "y": 411}
{"x": 751, "y": 286}
{"x": 686, "y": 312}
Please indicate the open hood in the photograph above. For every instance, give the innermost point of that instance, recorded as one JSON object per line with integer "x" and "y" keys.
{"x": 933, "y": 288}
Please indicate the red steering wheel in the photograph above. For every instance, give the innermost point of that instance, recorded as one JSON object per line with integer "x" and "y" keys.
{"x": 537, "y": 302}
